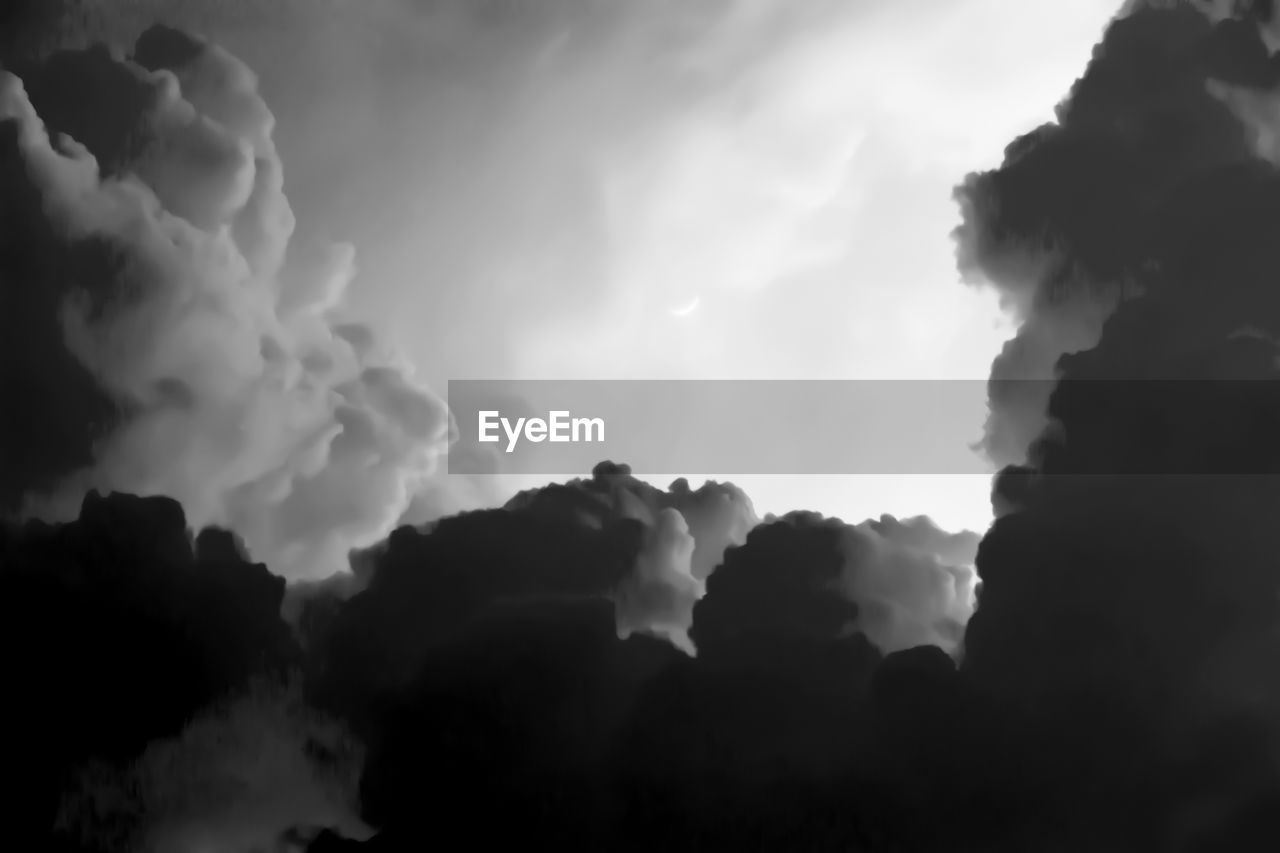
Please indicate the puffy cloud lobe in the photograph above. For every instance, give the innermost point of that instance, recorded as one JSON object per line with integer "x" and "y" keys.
{"x": 686, "y": 534}
{"x": 659, "y": 595}
{"x": 913, "y": 582}
{"x": 784, "y": 583}
{"x": 611, "y": 539}
{"x": 224, "y": 376}
{"x": 899, "y": 583}
{"x": 718, "y": 515}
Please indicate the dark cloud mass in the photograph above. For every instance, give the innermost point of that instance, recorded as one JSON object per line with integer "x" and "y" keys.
{"x": 602, "y": 664}
{"x": 117, "y": 629}
{"x": 1080, "y": 217}
{"x": 1133, "y": 615}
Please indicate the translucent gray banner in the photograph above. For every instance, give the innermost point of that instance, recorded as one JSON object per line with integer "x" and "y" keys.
{"x": 718, "y": 427}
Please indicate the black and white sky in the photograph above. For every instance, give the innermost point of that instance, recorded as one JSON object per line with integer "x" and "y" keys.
{"x": 245, "y": 245}
{"x": 718, "y": 190}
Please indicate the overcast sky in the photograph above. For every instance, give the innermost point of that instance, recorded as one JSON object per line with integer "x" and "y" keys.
{"x": 720, "y": 189}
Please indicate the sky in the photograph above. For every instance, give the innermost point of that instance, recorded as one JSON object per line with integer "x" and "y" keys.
{"x": 720, "y": 190}
{"x": 560, "y": 189}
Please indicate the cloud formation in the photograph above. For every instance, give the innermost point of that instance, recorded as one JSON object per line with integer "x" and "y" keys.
{"x": 156, "y": 300}
{"x": 659, "y": 595}
{"x": 118, "y": 628}
{"x": 249, "y": 773}
{"x": 1114, "y": 689}
{"x": 1075, "y": 221}
{"x": 1128, "y": 613}
{"x": 899, "y": 583}
{"x": 914, "y": 583}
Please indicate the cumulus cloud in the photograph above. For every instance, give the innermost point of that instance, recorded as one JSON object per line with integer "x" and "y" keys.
{"x": 914, "y": 583}
{"x": 783, "y": 583}
{"x": 718, "y": 515}
{"x": 1063, "y": 229}
{"x": 1116, "y": 684}
{"x": 686, "y": 534}
{"x": 249, "y": 773}
{"x": 119, "y": 627}
{"x": 1127, "y": 612}
{"x": 612, "y": 539}
{"x": 900, "y": 583}
{"x": 1083, "y": 218}
{"x": 659, "y": 595}
{"x": 156, "y": 292}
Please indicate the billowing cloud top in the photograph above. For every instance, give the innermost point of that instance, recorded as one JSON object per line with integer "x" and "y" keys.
{"x": 160, "y": 317}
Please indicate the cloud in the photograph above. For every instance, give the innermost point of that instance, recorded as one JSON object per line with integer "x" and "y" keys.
{"x": 248, "y": 772}
{"x": 118, "y": 628}
{"x": 913, "y": 582}
{"x": 1064, "y": 228}
{"x": 659, "y": 596}
{"x": 686, "y": 534}
{"x": 496, "y": 650}
{"x": 157, "y": 298}
{"x": 1127, "y": 614}
{"x": 611, "y": 539}
{"x": 900, "y": 583}
{"x": 1114, "y": 688}
{"x": 718, "y": 515}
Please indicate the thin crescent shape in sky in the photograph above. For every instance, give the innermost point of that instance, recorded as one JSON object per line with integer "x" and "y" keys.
{"x": 686, "y": 310}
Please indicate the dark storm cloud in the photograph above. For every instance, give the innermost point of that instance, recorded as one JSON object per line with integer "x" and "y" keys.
{"x": 1130, "y": 622}
{"x": 486, "y": 662}
{"x": 149, "y": 252}
{"x": 28, "y": 26}
{"x": 613, "y": 539}
{"x": 757, "y": 592}
{"x": 483, "y": 664}
{"x": 1077, "y": 219}
{"x": 650, "y": 553}
{"x": 116, "y": 629}
{"x": 1116, "y": 686}
{"x": 900, "y": 583}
